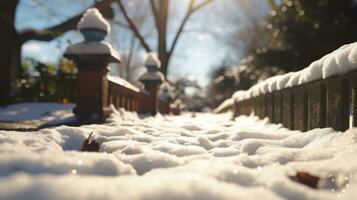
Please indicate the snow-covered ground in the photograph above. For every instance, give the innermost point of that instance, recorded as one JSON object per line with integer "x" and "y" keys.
{"x": 42, "y": 113}
{"x": 202, "y": 156}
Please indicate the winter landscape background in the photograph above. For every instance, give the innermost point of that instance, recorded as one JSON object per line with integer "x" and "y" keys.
{"x": 190, "y": 106}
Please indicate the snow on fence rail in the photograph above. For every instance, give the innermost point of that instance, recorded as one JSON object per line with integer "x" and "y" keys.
{"x": 321, "y": 95}
{"x": 96, "y": 90}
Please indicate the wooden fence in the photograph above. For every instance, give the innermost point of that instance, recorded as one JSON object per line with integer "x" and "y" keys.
{"x": 331, "y": 102}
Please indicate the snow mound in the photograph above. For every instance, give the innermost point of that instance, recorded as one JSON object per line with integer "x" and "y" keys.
{"x": 152, "y": 60}
{"x": 92, "y": 18}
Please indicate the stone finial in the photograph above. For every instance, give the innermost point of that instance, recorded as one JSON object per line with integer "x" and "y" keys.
{"x": 93, "y": 50}
{"x": 152, "y": 62}
{"x": 152, "y": 75}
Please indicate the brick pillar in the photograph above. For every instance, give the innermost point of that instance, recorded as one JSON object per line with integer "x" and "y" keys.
{"x": 92, "y": 58}
{"x": 153, "y": 102}
{"x": 152, "y": 80}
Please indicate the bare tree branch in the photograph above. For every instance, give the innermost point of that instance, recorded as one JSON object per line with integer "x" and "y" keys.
{"x": 55, "y": 31}
{"x": 133, "y": 27}
{"x": 201, "y": 5}
{"x": 154, "y": 10}
{"x": 190, "y": 11}
{"x": 120, "y": 23}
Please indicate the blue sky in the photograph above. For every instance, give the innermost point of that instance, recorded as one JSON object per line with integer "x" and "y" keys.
{"x": 195, "y": 57}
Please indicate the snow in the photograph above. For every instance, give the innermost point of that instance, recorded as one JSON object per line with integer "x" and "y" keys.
{"x": 152, "y": 60}
{"x": 202, "y": 156}
{"x": 225, "y": 106}
{"x": 152, "y": 76}
{"x": 122, "y": 82}
{"x": 92, "y": 48}
{"x": 92, "y": 18}
{"x": 51, "y": 113}
{"x": 338, "y": 62}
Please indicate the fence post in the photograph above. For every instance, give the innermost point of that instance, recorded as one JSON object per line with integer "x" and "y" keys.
{"x": 353, "y": 80}
{"x": 338, "y": 104}
{"x": 277, "y": 107}
{"x": 261, "y": 107}
{"x": 316, "y": 93}
{"x": 92, "y": 58}
{"x": 288, "y": 108}
{"x": 300, "y": 108}
{"x": 236, "y": 108}
{"x": 152, "y": 80}
{"x": 270, "y": 107}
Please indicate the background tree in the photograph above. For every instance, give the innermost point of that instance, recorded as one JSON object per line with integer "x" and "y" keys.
{"x": 160, "y": 11}
{"x": 302, "y": 31}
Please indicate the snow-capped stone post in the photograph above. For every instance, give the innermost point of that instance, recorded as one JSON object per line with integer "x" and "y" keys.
{"x": 152, "y": 80}
{"x": 92, "y": 58}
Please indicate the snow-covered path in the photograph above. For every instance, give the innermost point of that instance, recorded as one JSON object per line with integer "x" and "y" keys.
{"x": 176, "y": 157}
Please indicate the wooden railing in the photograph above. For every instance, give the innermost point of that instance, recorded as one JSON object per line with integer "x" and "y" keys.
{"x": 123, "y": 94}
{"x": 331, "y": 102}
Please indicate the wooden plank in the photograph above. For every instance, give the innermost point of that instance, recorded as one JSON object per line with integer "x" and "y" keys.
{"x": 256, "y": 104}
{"x": 288, "y": 109}
{"x": 247, "y": 107}
{"x": 270, "y": 106}
{"x": 316, "y": 105}
{"x": 241, "y": 107}
{"x": 277, "y": 107}
{"x": 338, "y": 103}
{"x": 300, "y": 108}
{"x": 261, "y": 107}
{"x": 353, "y": 109}
{"x": 264, "y": 106}
{"x": 236, "y": 109}
{"x": 244, "y": 107}
{"x": 354, "y": 102}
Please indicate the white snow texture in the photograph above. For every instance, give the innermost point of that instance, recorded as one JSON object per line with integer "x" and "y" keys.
{"x": 152, "y": 60}
{"x": 92, "y": 18}
{"x": 204, "y": 156}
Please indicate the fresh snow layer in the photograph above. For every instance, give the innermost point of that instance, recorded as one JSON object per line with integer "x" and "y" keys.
{"x": 340, "y": 61}
{"x": 42, "y": 112}
{"x": 202, "y": 156}
{"x": 152, "y": 60}
{"x": 152, "y": 76}
{"x": 92, "y": 48}
{"x": 224, "y": 107}
{"x": 92, "y": 18}
{"x": 122, "y": 82}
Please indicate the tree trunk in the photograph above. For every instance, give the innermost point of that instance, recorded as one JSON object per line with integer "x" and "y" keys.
{"x": 162, "y": 36}
{"x": 8, "y": 50}
{"x": 165, "y": 61}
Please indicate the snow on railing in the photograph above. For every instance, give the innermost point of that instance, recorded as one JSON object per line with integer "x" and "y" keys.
{"x": 321, "y": 95}
{"x": 340, "y": 61}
